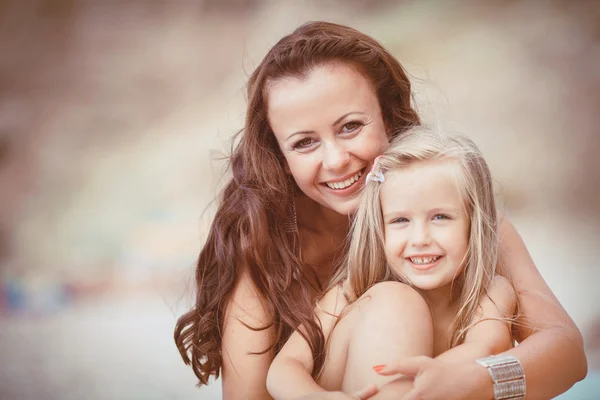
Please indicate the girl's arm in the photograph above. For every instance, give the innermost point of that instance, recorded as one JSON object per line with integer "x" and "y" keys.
{"x": 490, "y": 333}
{"x": 243, "y": 374}
{"x": 290, "y": 373}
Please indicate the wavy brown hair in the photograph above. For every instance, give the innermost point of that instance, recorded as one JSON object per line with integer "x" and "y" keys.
{"x": 248, "y": 228}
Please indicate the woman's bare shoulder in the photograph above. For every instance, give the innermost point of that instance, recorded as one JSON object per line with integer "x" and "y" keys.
{"x": 246, "y": 338}
{"x": 246, "y": 303}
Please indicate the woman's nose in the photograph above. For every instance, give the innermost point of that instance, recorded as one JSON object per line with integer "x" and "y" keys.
{"x": 336, "y": 157}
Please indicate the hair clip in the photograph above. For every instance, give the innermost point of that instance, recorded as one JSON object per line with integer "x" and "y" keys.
{"x": 375, "y": 176}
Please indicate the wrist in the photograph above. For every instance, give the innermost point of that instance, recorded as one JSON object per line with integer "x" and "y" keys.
{"x": 507, "y": 376}
{"x": 485, "y": 384}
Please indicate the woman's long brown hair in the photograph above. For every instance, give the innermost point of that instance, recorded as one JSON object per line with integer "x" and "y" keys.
{"x": 248, "y": 228}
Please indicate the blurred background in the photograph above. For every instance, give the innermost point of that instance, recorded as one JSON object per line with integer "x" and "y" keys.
{"x": 114, "y": 116}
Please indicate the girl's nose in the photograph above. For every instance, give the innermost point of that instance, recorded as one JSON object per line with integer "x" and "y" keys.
{"x": 420, "y": 236}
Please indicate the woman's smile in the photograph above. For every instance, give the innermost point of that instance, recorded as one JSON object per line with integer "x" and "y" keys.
{"x": 346, "y": 185}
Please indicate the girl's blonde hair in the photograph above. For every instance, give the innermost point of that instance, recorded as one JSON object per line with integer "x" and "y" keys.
{"x": 367, "y": 264}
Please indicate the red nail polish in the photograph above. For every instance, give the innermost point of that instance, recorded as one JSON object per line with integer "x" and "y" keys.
{"x": 378, "y": 368}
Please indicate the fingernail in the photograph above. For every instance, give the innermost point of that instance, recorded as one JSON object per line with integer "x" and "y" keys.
{"x": 378, "y": 368}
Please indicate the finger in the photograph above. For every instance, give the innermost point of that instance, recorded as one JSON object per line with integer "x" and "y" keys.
{"x": 366, "y": 393}
{"x": 409, "y": 367}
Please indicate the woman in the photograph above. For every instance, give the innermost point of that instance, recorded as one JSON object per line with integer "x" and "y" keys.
{"x": 323, "y": 103}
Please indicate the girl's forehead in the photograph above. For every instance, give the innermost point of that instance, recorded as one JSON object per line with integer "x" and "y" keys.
{"x": 423, "y": 184}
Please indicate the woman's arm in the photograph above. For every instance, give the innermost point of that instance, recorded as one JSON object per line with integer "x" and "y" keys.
{"x": 551, "y": 346}
{"x": 244, "y": 375}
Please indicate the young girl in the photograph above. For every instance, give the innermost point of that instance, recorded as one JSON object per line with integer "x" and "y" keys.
{"x": 426, "y": 222}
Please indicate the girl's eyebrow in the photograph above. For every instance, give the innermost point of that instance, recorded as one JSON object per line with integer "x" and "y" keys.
{"x": 337, "y": 121}
{"x": 444, "y": 209}
{"x": 395, "y": 213}
{"x": 400, "y": 213}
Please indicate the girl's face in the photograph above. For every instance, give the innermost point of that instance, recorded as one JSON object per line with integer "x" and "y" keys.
{"x": 426, "y": 224}
{"x": 329, "y": 128}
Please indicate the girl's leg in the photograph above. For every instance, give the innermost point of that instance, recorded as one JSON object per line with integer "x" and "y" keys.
{"x": 391, "y": 321}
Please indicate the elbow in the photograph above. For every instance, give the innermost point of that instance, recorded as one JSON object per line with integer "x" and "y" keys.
{"x": 578, "y": 361}
{"x": 277, "y": 379}
{"x": 583, "y": 368}
{"x": 580, "y": 366}
{"x": 271, "y": 380}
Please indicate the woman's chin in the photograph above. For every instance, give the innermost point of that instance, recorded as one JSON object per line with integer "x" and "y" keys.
{"x": 346, "y": 207}
{"x": 340, "y": 206}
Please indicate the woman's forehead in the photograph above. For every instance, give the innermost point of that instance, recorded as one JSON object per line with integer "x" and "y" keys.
{"x": 327, "y": 91}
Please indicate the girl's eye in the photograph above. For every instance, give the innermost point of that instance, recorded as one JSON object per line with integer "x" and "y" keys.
{"x": 351, "y": 126}
{"x": 303, "y": 143}
{"x": 440, "y": 217}
{"x": 399, "y": 220}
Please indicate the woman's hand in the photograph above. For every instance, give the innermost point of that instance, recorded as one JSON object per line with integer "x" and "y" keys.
{"x": 440, "y": 380}
{"x": 364, "y": 394}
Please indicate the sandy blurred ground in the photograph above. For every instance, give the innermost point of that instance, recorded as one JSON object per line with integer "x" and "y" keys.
{"x": 113, "y": 116}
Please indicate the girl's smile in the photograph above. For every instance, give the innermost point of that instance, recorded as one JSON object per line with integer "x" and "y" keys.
{"x": 424, "y": 262}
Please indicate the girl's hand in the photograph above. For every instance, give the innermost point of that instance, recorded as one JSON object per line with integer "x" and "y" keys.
{"x": 440, "y": 380}
{"x": 364, "y": 394}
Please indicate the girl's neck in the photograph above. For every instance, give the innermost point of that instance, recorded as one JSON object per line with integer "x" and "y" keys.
{"x": 443, "y": 299}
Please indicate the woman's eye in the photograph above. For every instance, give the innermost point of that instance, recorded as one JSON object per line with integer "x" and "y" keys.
{"x": 440, "y": 217}
{"x": 303, "y": 143}
{"x": 351, "y": 126}
{"x": 399, "y": 220}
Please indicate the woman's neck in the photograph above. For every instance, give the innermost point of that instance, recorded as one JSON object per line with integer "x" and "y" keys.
{"x": 319, "y": 219}
{"x": 323, "y": 234}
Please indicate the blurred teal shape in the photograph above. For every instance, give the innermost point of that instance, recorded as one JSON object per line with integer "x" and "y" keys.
{"x": 14, "y": 295}
{"x": 587, "y": 389}
{"x": 22, "y": 297}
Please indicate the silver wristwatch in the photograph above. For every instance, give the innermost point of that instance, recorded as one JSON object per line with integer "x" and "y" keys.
{"x": 508, "y": 376}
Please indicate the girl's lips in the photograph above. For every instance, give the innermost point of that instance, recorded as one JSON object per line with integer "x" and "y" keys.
{"x": 350, "y": 189}
{"x": 424, "y": 267}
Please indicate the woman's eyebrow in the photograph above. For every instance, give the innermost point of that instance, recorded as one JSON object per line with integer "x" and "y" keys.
{"x": 337, "y": 121}
{"x": 298, "y": 133}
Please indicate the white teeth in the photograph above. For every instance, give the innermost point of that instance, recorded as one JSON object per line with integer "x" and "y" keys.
{"x": 424, "y": 260}
{"x": 344, "y": 184}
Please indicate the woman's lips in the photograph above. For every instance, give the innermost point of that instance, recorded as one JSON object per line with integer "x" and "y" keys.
{"x": 350, "y": 189}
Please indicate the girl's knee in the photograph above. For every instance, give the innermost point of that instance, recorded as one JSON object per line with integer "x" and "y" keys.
{"x": 395, "y": 292}
{"x": 394, "y": 300}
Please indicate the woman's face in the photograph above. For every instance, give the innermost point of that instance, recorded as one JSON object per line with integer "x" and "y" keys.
{"x": 330, "y": 129}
